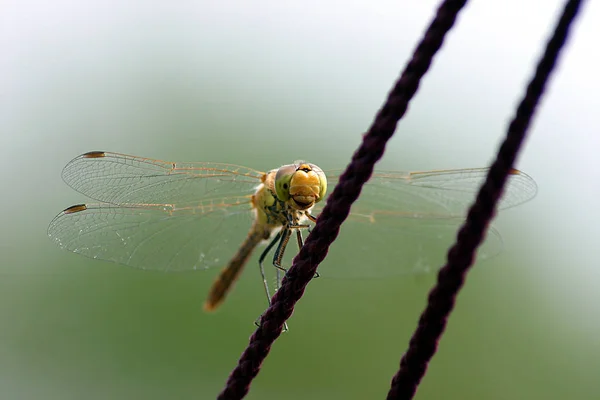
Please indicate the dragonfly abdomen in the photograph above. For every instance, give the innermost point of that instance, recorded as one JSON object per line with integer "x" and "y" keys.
{"x": 229, "y": 274}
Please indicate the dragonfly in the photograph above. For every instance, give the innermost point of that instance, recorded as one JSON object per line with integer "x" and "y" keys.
{"x": 170, "y": 216}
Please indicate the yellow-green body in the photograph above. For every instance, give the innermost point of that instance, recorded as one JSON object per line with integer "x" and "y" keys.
{"x": 282, "y": 200}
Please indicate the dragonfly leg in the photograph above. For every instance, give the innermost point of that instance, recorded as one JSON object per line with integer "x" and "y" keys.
{"x": 277, "y": 286}
{"x": 301, "y": 243}
{"x": 299, "y": 238}
{"x": 261, "y": 259}
{"x": 257, "y": 323}
{"x": 286, "y": 233}
{"x": 298, "y": 226}
{"x": 260, "y": 264}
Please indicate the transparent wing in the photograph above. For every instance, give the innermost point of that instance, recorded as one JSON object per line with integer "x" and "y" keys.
{"x": 156, "y": 237}
{"x": 433, "y": 194}
{"x": 122, "y": 179}
{"x": 173, "y": 216}
{"x": 404, "y": 222}
{"x": 156, "y": 214}
{"x": 394, "y": 246}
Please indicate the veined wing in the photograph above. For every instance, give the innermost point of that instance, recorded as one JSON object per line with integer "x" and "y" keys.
{"x": 432, "y": 194}
{"x": 123, "y": 180}
{"x": 393, "y": 246}
{"x": 404, "y": 223}
{"x": 156, "y": 236}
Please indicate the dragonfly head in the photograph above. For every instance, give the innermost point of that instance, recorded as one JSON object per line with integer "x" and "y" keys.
{"x": 300, "y": 184}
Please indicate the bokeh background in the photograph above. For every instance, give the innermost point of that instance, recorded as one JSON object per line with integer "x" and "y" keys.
{"x": 262, "y": 84}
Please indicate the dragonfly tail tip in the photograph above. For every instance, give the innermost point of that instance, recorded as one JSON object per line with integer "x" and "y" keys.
{"x": 210, "y": 306}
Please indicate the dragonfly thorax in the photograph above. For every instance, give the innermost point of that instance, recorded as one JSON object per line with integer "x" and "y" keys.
{"x": 271, "y": 210}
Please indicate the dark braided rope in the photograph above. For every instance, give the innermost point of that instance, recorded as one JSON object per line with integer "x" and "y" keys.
{"x": 451, "y": 277}
{"x": 338, "y": 204}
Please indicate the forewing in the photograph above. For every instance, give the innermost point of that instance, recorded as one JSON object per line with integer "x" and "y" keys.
{"x": 434, "y": 194}
{"x": 124, "y": 180}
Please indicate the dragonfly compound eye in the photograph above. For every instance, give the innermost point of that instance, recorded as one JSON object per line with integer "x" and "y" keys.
{"x": 282, "y": 181}
{"x": 322, "y": 182}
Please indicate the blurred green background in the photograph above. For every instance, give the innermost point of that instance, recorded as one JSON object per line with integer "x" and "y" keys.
{"x": 263, "y": 85}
